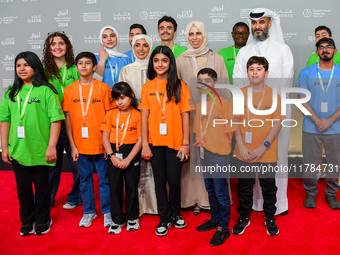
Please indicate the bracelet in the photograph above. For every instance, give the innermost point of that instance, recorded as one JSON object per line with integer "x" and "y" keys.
{"x": 184, "y": 144}
{"x": 109, "y": 155}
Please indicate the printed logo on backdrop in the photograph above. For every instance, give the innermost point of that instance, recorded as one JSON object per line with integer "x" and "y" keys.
{"x": 8, "y": 41}
{"x": 91, "y": 1}
{"x": 7, "y": 82}
{"x": 152, "y": 15}
{"x": 7, "y": 20}
{"x": 121, "y": 16}
{"x": 285, "y": 13}
{"x": 34, "y": 19}
{"x": 63, "y": 18}
{"x": 315, "y": 13}
{"x": 36, "y": 41}
{"x": 92, "y": 16}
{"x": 217, "y": 13}
{"x": 288, "y": 36}
{"x": 91, "y": 39}
{"x": 25, "y": 1}
{"x": 181, "y": 38}
{"x": 8, "y": 63}
{"x": 218, "y": 36}
{"x": 244, "y": 13}
{"x": 124, "y": 39}
{"x": 186, "y": 14}
{"x": 6, "y": 1}
{"x": 155, "y": 38}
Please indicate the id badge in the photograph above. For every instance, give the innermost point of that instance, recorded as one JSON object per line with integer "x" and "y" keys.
{"x": 163, "y": 129}
{"x": 21, "y": 132}
{"x": 201, "y": 152}
{"x": 249, "y": 137}
{"x": 324, "y": 107}
{"x": 119, "y": 155}
{"x": 84, "y": 132}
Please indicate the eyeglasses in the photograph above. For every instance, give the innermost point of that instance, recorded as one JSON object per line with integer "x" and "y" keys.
{"x": 57, "y": 32}
{"x": 328, "y": 47}
{"x": 244, "y": 34}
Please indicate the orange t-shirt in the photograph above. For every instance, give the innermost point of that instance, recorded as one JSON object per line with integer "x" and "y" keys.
{"x": 259, "y": 134}
{"x": 173, "y": 111}
{"x": 101, "y": 102}
{"x": 217, "y": 139}
{"x": 133, "y": 130}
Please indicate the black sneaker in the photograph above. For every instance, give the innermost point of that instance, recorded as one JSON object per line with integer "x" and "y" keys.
{"x": 178, "y": 222}
{"x": 272, "y": 229}
{"x": 43, "y": 228}
{"x": 310, "y": 202}
{"x": 333, "y": 202}
{"x": 241, "y": 225}
{"x": 206, "y": 226}
{"x": 27, "y": 229}
{"x": 162, "y": 228}
{"x": 219, "y": 237}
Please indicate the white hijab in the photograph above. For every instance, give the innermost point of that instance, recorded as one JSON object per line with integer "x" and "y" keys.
{"x": 113, "y": 52}
{"x": 203, "y": 49}
{"x": 141, "y": 63}
{"x": 275, "y": 31}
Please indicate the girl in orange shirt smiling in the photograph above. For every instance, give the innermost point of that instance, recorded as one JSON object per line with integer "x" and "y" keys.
{"x": 165, "y": 133}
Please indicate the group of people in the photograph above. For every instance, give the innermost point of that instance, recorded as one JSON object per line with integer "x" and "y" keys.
{"x": 138, "y": 117}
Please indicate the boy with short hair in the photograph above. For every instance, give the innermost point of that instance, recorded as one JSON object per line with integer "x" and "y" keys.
{"x": 214, "y": 144}
{"x": 257, "y": 147}
{"x": 85, "y": 103}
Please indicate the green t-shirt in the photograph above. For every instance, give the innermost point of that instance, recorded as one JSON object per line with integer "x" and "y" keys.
{"x": 71, "y": 76}
{"x": 176, "y": 50}
{"x": 42, "y": 109}
{"x": 314, "y": 58}
{"x": 229, "y": 55}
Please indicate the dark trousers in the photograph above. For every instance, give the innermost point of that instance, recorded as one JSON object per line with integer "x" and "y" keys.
{"x": 116, "y": 178}
{"x": 31, "y": 211}
{"x": 167, "y": 168}
{"x": 245, "y": 189}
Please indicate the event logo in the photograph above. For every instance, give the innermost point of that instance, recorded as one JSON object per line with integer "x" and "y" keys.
{"x": 155, "y": 37}
{"x": 7, "y": 82}
{"x": 8, "y": 63}
{"x": 62, "y": 18}
{"x": 143, "y": 15}
{"x": 35, "y": 41}
{"x": 284, "y": 13}
{"x": 8, "y": 41}
{"x": 121, "y": 16}
{"x": 92, "y": 39}
{"x": 152, "y": 15}
{"x": 34, "y": 19}
{"x": 6, "y": 1}
{"x": 91, "y": 1}
{"x": 217, "y": 14}
{"x": 92, "y": 16}
{"x": 244, "y": 13}
{"x": 187, "y": 14}
{"x": 218, "y": 36}
{"x": 307, "y": 13}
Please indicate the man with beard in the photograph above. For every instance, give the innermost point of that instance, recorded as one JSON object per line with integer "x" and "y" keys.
{"x": 167, "y": 30}
{"x": 322, "y": 127}
{"x": 240, "y": 36}
{"x": 135, "y": 29}
{"x": 267, "y": 41}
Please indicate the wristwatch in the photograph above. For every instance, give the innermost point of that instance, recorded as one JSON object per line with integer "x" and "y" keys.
{"x": 267, "y": 144}
{"x": 109, "y": 156}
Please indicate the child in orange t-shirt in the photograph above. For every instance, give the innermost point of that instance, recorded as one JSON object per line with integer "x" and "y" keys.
{"x": 257, "y": 146}
{"x": 165, "y": 133}
{"x": 214, "y": 142}
{"x": 85, "y": 103}
{"x": 122, "y": 142}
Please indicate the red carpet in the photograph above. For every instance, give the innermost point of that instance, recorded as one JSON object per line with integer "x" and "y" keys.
{"x": 302, "y": 231}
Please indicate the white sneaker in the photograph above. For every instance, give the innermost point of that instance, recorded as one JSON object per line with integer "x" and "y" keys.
{"x": 115, "y": 229}
{"x": 69, "y": 206}
{"x": 107, "y": 220}
{"x": 133, "y": 225}
{"x": 87, "y": 219}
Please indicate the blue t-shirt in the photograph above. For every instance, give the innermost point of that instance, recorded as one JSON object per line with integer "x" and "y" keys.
{"x": 109, "y": 78}
{"x": 308, "y": 79}
{"x": 131, "y": 56}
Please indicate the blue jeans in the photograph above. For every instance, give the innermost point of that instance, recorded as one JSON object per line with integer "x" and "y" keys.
{"x": 217, "y": 189}
{"x": 55, "y": 171}
{"x": 86, "y": 164}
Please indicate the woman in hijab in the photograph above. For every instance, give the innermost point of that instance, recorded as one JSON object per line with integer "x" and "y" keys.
{"x": 135, "y": 75}
{"x": 110, "y": 61}
{"x": 198, "y": 56}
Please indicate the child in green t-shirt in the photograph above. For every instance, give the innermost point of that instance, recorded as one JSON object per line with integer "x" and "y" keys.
{"x": 30, "y": 116}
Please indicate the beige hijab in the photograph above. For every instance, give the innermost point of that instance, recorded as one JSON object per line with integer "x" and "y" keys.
{"x": 203, "y": 49}
{"x": 141, "y": 63}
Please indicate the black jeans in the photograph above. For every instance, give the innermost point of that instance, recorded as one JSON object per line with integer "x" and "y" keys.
{"x": 116, "y": 178}
{"x": 31, "y": 211}
{"x": 245, "y": 189}
{"x": 167, "y": 168}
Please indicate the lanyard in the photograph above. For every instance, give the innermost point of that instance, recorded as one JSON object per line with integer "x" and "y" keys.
{"x": 160, "y": 103}
{"x": 114, "y": 73}
{"x": 329, "y": 82}
{"x": 132, "y": 57}
{"x": 173, "y": 49}
{"x": 84, "y": 113}
{"x": 234, "y": 52}
{"x": 258, "y": 107}
{"x": 206, "y": 126}
{"x": 125, "y": 129}
{"x": 22, "y": 112}
{"x": 64, "y": 76}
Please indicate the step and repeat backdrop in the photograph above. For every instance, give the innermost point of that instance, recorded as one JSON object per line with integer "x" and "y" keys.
{"x": 24, "y": 25}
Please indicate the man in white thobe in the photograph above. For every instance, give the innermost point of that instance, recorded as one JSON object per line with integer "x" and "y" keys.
{"x": 267, "y": 41}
